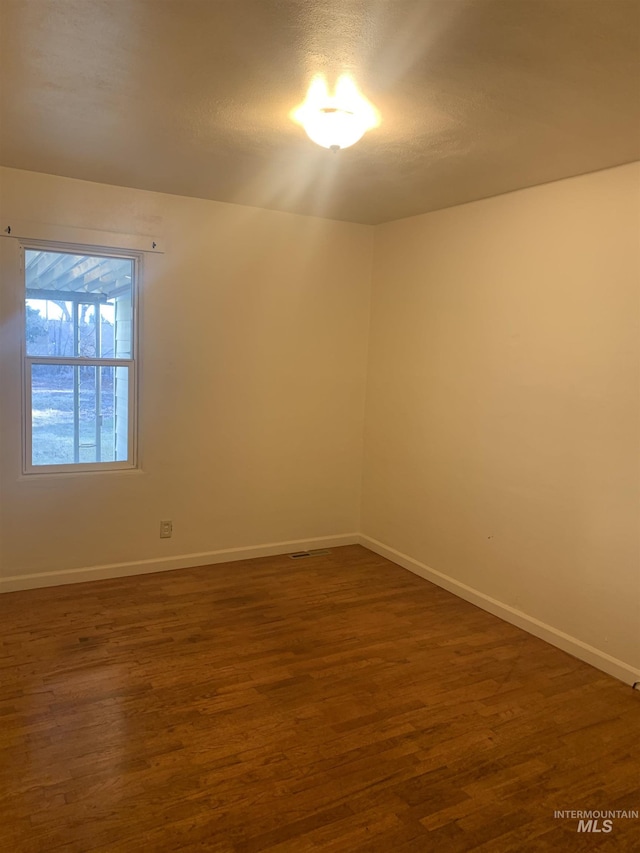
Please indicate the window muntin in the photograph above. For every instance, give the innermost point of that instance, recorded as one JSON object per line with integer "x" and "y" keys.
{"x": 79, "y": 360}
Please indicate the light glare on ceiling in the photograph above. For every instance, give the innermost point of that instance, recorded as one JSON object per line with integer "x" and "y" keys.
{"x": 339, "y": 120}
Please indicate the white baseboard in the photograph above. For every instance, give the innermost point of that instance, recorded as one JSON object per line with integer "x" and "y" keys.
{"x": 165, "y": 564}
{"x": 583, "y": 651}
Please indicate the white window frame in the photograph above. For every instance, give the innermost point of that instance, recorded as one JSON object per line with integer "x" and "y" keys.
{"x": 132, "y": 363}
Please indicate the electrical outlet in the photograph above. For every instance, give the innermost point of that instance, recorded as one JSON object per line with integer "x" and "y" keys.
{"x": 166, "y": 529}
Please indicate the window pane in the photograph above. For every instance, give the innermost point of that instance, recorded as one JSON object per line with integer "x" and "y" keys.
{"x": 88, "y": 415}
{"x": 65, "y": 296}
{"x": 52, "y": 413}
{"x": 87, "y": 337}
{"x": 107, "y": 330}
{"x": 49, "y": 327}
{"x": 118, "y": 424}
{"x": 80, "y": 414}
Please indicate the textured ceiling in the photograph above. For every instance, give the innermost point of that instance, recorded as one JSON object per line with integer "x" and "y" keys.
{"x": 477, "y": 97}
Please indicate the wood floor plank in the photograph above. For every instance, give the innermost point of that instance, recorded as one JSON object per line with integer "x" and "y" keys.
{"x": 336, "y": 703}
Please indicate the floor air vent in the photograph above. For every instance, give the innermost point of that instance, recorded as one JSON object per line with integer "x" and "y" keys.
{"x": 317, "y": 552}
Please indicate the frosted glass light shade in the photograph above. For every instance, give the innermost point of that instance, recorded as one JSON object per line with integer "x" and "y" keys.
{"x": 333, "y": 128}
{"x": 335, "y": 121}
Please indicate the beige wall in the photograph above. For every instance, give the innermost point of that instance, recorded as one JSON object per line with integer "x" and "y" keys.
{"x": 501, "y": 437}
{"x": 253, "y": 358}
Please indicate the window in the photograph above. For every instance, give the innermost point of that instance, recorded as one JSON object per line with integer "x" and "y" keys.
{"x": 79, "y": 360}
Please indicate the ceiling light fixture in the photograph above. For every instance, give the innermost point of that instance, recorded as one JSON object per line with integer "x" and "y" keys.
{"x": 335, "y": 121}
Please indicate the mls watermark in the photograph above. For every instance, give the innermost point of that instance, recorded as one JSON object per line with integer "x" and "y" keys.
{"x": 598, "y": 820}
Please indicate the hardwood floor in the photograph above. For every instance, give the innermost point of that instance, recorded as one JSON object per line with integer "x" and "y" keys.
{"x": 336, "y": 703}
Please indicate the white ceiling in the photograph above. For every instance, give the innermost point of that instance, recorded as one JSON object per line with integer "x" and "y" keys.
{"x": 477, "y": 97}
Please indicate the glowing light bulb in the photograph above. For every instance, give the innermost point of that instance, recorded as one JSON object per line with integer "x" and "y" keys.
{"x": 339, "y": 120}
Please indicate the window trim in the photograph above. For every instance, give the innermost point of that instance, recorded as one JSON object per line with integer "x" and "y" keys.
{"x": 27, "y": 362}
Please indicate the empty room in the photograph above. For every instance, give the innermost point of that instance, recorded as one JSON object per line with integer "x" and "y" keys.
{"x": 319, "y": 426}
